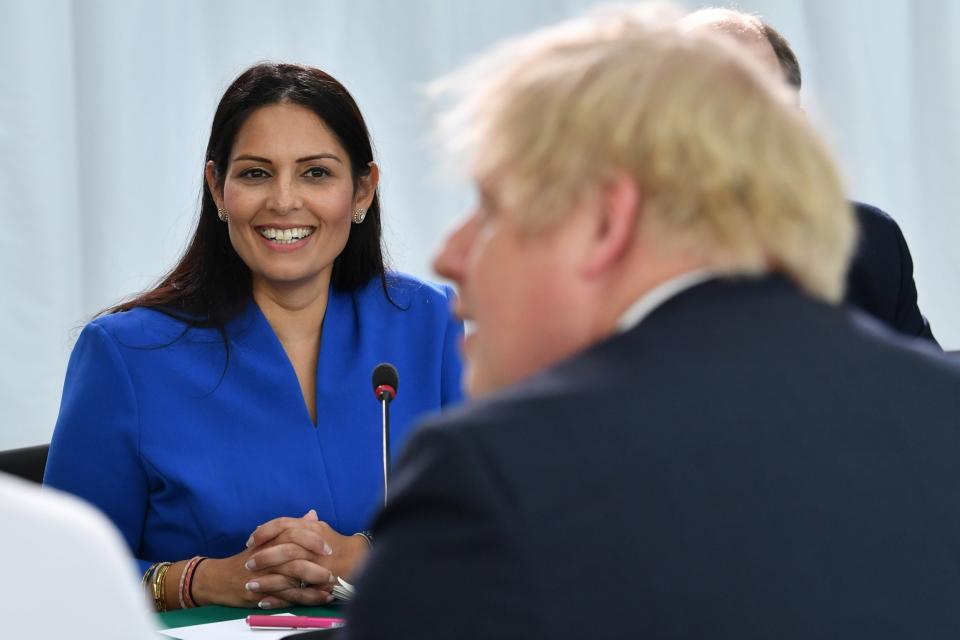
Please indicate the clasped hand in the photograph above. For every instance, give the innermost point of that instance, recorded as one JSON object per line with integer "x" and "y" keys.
{"x": 288, "y": 561}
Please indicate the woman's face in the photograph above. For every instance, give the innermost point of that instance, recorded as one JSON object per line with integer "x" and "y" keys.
{"x": 289, "y": 194}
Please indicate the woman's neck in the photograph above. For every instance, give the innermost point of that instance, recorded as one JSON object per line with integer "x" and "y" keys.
{"x": 295, "y": 312}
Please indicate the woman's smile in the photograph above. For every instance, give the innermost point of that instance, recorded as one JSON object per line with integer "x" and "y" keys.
{"x": 285, "y": 239}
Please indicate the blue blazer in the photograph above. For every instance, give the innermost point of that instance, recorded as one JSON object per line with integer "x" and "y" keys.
{"x": 188, "y": 447}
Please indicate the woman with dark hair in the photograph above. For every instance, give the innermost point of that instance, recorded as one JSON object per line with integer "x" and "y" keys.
{"x": 238, "y": 389}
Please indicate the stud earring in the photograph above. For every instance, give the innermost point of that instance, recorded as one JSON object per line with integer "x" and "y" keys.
{"x": 358, "y": 215}
{"x": 222, "y": 214}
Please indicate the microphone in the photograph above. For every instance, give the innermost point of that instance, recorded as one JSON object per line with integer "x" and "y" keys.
{"x": 386, "y": 381}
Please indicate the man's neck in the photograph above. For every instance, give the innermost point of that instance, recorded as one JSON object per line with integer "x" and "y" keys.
{"x": 649, "y": 301}
{"x": 656, "y": 271}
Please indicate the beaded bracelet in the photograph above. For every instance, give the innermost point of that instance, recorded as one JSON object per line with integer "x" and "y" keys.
{"x": 186, "y": 582}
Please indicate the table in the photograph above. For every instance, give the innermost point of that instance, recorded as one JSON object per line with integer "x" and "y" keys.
{"x": 202, "y": 615}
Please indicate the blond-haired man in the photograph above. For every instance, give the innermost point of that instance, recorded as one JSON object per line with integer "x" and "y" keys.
{"x": 675, "y": 433}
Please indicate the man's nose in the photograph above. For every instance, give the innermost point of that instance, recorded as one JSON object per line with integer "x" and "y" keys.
{"x": 451, "y": 260}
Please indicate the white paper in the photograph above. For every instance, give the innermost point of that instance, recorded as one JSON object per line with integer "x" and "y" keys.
{"x": 230, "y": 630}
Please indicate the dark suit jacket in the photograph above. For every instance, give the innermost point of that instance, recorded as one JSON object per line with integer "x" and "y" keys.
{"x": 745, "y": 463}
{"x": 880, "y": 280}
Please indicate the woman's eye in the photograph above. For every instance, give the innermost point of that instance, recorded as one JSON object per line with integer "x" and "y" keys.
{"x": 317, "y": 172}
{"x": 254, "y": 173}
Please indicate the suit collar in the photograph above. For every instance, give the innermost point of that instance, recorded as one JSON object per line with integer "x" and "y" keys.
{"x": 648, "y": 302}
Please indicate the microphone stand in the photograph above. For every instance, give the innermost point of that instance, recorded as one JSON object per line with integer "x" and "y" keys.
{"x": 385, "y": 381}
{"x": 385, "y": 397}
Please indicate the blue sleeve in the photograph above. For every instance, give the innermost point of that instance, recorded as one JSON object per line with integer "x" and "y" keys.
{"x": 451, "y": 383}
{"x": 95, "y": 452}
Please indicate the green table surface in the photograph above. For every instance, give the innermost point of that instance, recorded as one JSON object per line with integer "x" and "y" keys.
{"x": 203, "y": 615}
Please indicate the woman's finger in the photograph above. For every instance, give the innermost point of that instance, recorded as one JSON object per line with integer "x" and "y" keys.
{"x": 273, "y": 528}
{"x": 291, "y": 544}
{"x": 306, "y": 571}
{"x": 285, "y": 587}
{"x": 306, "y": 596}
{"x": 313, "y": 539}
{"x": 276, "y": 555}
{"x": 270, "y": 530}
{"x": 273, "y": 602}
{"x": 271, "y": 583}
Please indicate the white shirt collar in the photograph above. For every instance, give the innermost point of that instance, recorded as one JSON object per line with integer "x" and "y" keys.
{"x": 652, "y": 299}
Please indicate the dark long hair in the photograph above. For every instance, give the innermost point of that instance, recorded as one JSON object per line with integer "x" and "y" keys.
{"x": 211, "y": 284}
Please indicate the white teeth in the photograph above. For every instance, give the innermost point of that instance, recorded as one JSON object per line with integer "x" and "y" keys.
{"x": 286, "y": 236}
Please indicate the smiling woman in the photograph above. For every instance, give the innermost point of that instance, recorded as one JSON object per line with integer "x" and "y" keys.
{"x": 289, "y": 194}
{"x": 236, "y": 391}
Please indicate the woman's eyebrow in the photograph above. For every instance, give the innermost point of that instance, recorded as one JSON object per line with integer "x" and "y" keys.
{"x": 252, "y": 158}
{"x": 318, "y": 156}
{"x": 321, "y": 156}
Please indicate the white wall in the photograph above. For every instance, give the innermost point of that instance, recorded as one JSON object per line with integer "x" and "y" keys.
{"x": 105, "y": 107}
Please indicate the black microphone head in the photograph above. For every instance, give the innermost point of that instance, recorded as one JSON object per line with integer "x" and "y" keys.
{"x": 385, "y": 375}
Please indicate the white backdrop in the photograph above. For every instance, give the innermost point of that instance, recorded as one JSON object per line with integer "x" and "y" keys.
{"x": 105, "y": 107}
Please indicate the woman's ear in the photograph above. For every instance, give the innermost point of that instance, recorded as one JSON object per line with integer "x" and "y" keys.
{"x": 367, "y": 186}
{"x": 614, "y": 229}
{"x": 214, "y": 185}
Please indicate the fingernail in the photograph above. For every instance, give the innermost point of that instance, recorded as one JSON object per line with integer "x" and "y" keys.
{"x": 332, "y": 579}
{"x": 264, "y": 604}
{"x": 250, "y": 541}
{"x": 327, "y": 551}
{"x": 252, "y": 586}
{"x": 251, "y": 564}
{"x": 329, "y": 597}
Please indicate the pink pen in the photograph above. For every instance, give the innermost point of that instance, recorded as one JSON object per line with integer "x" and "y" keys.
{"x": 295, "y": 622}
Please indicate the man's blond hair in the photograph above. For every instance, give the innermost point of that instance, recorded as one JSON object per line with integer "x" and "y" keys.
{"x": 727, "y": 166}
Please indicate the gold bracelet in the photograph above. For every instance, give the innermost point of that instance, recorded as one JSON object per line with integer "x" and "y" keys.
{"x": 159, "y": 592}
{"x": 145, "y": 580}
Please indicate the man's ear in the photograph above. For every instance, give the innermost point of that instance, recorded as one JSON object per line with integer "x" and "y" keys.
{"x": 216, "y": 189}
{"x": 367, "y": 186}
{"x": 618, "y": 203}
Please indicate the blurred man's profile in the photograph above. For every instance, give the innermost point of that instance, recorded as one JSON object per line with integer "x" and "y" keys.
{"x": 676, "y": 431}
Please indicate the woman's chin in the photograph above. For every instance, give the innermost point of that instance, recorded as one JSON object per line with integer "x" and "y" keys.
{"x": 287, "y": 279}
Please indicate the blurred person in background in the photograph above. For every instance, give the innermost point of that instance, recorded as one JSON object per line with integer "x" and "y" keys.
{"x": 880, "y": 280}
